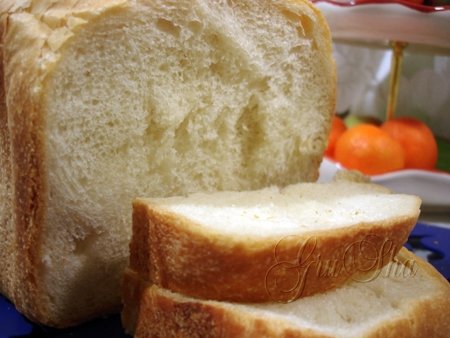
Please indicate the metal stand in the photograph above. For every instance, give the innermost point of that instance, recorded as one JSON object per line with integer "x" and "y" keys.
{"x": 396, "y": 64}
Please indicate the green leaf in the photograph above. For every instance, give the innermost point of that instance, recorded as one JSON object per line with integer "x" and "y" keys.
{"x": 443, "y": 162}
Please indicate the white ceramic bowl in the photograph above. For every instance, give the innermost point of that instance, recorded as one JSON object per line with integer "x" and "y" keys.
{"x": 431, "y": 186}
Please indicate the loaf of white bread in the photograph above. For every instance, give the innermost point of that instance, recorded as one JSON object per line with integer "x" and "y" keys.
{"x": 309, "y": 260}
{"x": 102, "y": 101}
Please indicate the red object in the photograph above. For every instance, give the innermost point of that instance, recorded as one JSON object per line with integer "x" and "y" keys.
{"x": 413, "y": 4}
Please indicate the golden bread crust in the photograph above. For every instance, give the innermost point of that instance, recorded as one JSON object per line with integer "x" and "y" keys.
{"x": 32, "y": 37}
{"x": 159, "y": 313}
{"x": 175, "y": 253}
{"x": 6, "y": 223}
{"x": 132, "y": 289}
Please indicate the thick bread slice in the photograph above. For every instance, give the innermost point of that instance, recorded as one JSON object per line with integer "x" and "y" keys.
{"x": 408, "y": 298}
{"x": 107, "y": 100}
{"x": 271, "y": 244}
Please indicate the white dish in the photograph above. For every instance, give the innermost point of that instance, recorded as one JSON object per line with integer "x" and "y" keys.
{"x": 376, "y": 22}
{"x": 432, "y": 187}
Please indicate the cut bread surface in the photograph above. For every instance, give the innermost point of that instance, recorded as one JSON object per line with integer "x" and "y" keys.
{"x": 110, "y": 100}
{"x": 406, "y": 298}
{"x": 237, "y": 246}
{"x": 292, "y": 210}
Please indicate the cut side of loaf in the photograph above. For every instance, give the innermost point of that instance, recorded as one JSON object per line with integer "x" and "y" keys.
{"x": 271, "y": 244}
{"x": 107, "y": 100}
{"x": 406, "y": 298}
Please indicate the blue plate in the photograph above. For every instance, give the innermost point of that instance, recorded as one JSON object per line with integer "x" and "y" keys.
{"x": 428, "y": 241}
{"x": 433, "y": 244}
{"x": 14, "y": 325}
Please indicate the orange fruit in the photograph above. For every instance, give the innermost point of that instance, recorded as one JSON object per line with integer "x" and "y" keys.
{"x": 337, "y": 129}
{"x": 369, "y": 149}
{"x": 417, "y": 140}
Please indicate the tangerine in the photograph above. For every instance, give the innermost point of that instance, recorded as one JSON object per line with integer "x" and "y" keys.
{"x": 337, "y": 129}
{"x": 369, "y": 149}
{"x": 417, "y": 140}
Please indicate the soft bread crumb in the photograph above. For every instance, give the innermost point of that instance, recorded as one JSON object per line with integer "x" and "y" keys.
{"x": 295, "y": 209}
{"x": 163, "y": 98}
{"x": 360, "y": 305}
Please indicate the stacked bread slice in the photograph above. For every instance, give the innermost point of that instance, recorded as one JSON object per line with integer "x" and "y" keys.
{"x": 312, "y": 259}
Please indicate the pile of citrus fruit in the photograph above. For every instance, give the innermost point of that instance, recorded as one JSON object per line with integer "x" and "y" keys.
{"x": 399, "y": 143}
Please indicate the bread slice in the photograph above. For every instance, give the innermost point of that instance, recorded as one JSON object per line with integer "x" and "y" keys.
{"x": 271, "y": 244}
{"x": 107, "y": 100}
{"x": 407, "y": 298}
